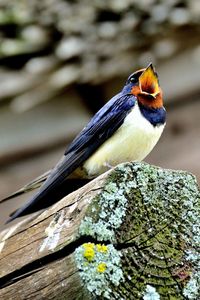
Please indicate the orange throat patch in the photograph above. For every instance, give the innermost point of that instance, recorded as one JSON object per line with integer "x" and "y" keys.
{"x": 147, "y": 99}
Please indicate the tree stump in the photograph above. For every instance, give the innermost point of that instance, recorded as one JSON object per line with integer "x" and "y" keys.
{"x": 132, "y": 233}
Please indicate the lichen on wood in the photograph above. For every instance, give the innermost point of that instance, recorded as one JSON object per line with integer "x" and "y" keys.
{"x": 151, "y": 216}
{"x": 132, "y": 233}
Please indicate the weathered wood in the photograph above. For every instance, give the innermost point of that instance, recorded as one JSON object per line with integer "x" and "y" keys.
{"x": 71, "y": 43}
{"x": 131, "y": 233}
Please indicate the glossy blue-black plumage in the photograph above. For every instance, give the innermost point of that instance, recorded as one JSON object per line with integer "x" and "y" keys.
{"x": 102, "y": 126}
{"x": 156, "y": 116}
{"x": 104, "y": 123}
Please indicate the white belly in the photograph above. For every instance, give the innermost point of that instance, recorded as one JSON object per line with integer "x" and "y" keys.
{"x": 133, "y": 141}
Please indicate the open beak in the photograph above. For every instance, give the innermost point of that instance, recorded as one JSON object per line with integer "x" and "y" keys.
{"x": 148, "y": 81}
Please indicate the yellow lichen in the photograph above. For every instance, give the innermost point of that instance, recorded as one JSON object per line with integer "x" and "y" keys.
{"x": 102, "y": 248}
{"x": 89, "y": 251}
{"x": 101, "y": 267}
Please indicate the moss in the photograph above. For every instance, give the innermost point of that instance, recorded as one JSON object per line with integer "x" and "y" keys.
{"x": 154, "y": 213}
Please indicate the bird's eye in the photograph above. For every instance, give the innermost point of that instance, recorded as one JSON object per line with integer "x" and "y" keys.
{"x": 133, "y": 79}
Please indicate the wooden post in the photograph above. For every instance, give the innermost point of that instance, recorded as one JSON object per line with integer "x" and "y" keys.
{"x": 132, "y": 233}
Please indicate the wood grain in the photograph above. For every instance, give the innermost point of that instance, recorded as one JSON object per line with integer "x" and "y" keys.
{"x": 122, "y": 217}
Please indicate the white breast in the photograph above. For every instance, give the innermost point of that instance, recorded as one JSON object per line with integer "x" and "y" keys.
{"x": 131, "y": 142}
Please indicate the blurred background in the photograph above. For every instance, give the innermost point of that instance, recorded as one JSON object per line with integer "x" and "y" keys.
{"x": 60, "y": 61}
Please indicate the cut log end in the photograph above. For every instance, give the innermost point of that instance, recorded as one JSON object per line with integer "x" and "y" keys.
{"x": 131, "y": 233}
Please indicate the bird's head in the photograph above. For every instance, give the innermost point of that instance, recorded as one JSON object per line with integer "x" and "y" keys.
{"x": 144, "y": 85}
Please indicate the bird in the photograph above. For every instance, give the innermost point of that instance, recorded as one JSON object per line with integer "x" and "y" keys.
{"x": 125, "y": 129}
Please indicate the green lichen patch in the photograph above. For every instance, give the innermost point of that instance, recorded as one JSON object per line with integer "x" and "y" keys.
{"x": 99, "y": 266}
{"x": 150, "y": 293}
{"x": 162, "y": 228}
{"x": 192, "y": 288}
{"x": 153, "y": 216}
{"x": 104, "y": 216}
{"x": 106, "y": 213}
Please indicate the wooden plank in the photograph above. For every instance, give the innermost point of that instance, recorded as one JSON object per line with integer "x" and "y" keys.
{"x": 32, "y": 237}
{"x": 121, "y": 243}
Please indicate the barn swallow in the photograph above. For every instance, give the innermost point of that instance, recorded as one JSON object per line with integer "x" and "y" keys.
{"x": 125, "y": 129}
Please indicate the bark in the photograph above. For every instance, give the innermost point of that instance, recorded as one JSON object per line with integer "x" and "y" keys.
{"x": 132, "y": 233}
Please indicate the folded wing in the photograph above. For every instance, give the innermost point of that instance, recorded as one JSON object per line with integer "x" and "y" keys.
{"x": 104, "y": 123}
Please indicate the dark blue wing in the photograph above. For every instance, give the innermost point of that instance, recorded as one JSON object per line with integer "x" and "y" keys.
{"x": 116, "y": 109}
{"x": 104, "y": 123}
